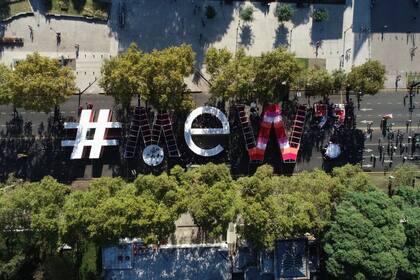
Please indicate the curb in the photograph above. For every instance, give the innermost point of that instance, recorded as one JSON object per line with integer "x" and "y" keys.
{"x": 92, "y": 19}
{"x": 28, "y": 14}
{"x": 18, "y": 15}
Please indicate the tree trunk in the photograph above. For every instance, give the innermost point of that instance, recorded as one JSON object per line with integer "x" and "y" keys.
{"x": 15, "y": 112}
{"x": 347, "y": 95}
{"x": 56, "y": 113}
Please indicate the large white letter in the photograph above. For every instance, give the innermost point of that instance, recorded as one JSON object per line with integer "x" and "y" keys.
{"x": 189, "y": 131}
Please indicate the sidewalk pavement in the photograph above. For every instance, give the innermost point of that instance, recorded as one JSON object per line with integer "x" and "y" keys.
{"x": 185, "y": 22}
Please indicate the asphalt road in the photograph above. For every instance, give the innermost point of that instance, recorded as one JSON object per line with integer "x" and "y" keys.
{"x": 372, "y": 108}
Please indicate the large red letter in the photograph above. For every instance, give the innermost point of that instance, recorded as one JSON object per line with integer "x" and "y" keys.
{"x": 272, "y": 116}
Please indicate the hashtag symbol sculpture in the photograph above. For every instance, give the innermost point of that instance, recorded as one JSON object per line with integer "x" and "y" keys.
{"x": 85, "y": 124}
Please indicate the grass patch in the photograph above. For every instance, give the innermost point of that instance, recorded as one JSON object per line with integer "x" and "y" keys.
{"x": 413, "y": 77}
{"x": 381, "y": 181}
{"x": 8, "y": 10}
{"x": 86, "y": 8}
{"x": 303, "y": 62}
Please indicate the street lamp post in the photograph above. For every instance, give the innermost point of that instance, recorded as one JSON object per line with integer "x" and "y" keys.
{"x": 411, "y": 96}
{"x": 290, "y": 39}
{"x": 390, "y": 185}
{"x": 237, "y": 35}
{"x": 344, "y": 44}
{"x": 83, "y": 91}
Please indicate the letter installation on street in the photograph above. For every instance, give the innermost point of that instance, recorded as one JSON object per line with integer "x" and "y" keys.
{"x": 86, "y": 125}
{"x": 289, "y": 147}
{"x": 153, "y": 154}
{"x": 143, "y": 134}
{"x": 189, "y": 131}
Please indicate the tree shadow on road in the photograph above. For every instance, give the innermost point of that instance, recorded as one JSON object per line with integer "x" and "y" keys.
{"x": 79, "y": 4}
{"x": 263, "y": 7}
{"x": 4, "y": 11}
{"x": 41, "y": 6}
{"x": 246, "y": 37}
{"x": 332, "y": 28}
{"x": 301, "y": 16}
{"x": 282, "y": 35}
{"x": 161, "y": 24}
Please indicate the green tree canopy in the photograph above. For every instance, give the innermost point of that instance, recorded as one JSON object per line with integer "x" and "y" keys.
{"x": 366, "y": 239}
{"x": 318, "y": 82}
{"x": 29, "y": 215}
{"x": 157, "y": 76}
{"x": 121, "y": 75}
{"x": 367, "y": 78}
{"x": 164, "y": 72}
{"x": 216, "y": 59}
{"x": 79, "y": 208}
{"x": 111, "y": 209}
{"x": 246, "y": 14}
{"x": 349, "y": 178}
{"x": 319, "y": 15}
{"x": 405, "y": 174}
{"x": 6, "y": 95}
{"x": 212, "y": 197}
{"x": 408, "y": 199}
{"x": 276, "y": 207}
{"x": 275, "y": 72}
{"x": 235, "y": 79}
{"x": 339, "y": 79}
{"x": 40, "y": 83}
{"x": 210, "y": 12}
{"x": 245, "y": 78}
{"x": 284, "y": 12}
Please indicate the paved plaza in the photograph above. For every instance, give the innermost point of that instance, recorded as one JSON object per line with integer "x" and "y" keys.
{"x": 95, "y": 40}
{"x": 353, "y": 33}
{"x": 395, "y": 37}
{"x": 341, "y": 37}
{"x": 185, "y": 22}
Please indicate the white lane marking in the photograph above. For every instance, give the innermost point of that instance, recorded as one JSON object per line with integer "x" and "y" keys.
{"x": 399, "y": 103}
{"x": 379, "y": 103}
{"x": 3, "y": 113}
{"x": 368, "y": 103}
{"x": 389, "y": 103}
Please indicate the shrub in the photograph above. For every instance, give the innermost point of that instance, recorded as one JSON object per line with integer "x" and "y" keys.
{"x": 246, "y": 13}
{"x": 88, "y": 12}
{"x": 320, "y": 15}
{"x": 284, "y": 12}
{"x": 64, "y": 5}
{"x": 210, "y": 12}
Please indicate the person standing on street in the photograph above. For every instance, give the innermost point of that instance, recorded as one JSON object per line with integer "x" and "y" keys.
{"x": 31, "y": 32}
{"x": 77, "y": 47}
